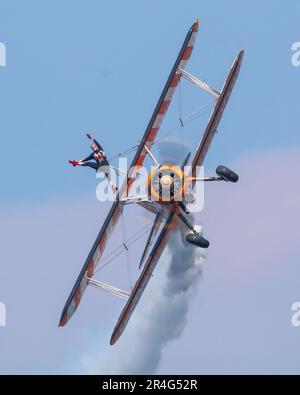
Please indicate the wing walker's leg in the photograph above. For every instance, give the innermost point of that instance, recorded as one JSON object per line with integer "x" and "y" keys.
{"x": 90, "y": 164}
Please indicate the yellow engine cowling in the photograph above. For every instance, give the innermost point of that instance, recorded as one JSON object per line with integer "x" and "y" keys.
{"x": 166, "y": 184}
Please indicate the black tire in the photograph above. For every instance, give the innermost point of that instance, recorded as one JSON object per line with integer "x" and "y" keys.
{"x": 197, "y": 240}
{"x": 227, "y": 174}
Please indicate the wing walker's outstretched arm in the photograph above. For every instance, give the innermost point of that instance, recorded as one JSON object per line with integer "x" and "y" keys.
{"x": 94, "y": 141}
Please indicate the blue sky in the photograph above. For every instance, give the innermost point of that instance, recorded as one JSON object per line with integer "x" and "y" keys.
{"x": 98, "y": 66}
{"x": 77, "y": 66}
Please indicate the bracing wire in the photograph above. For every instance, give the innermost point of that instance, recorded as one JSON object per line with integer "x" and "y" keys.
{"x": 183, "y": 120}
{"x": 131, "y": 240}
{"x": 126, "y": 251}
{"x": 121, "y": 249}
{"x": 180, "y": 115}
{"x": 121, "y": 246}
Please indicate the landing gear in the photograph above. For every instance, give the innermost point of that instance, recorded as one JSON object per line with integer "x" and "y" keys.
{"x": 184, "y": 208}
{"x": 193, "y": 238}
{"x": 226, "y": 174}
{"x": 197, "y": 240}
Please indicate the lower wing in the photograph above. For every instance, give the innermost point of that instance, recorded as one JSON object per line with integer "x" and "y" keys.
{"x": 144, "y": 277}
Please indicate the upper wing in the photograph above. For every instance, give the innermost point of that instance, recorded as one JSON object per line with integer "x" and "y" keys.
{"x": 116, "y": 209}
{"x": 164, "y": 101}
{"x": 217, "y": 113}
{"x": 144, "y": 277}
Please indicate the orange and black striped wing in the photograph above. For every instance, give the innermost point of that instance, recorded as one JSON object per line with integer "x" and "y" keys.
{"x": 116, "y": 209}
{"x": 144, "y": 277}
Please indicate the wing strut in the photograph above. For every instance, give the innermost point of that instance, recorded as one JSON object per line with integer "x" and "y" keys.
{"x": 156, "y": 224}
{"x": 152, "y": 156}
{"x": 200, "y": 84}
{"x": 108, "y": 288}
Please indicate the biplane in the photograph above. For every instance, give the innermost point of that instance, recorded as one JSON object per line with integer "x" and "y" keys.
{"x": 169, "y": 213}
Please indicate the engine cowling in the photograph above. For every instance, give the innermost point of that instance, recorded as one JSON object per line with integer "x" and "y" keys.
{"x": 226, "y": 174}
{"x": 197, "y": 240}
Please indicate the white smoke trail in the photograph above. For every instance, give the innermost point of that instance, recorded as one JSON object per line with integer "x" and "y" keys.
{"x": 160, "y": 315}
